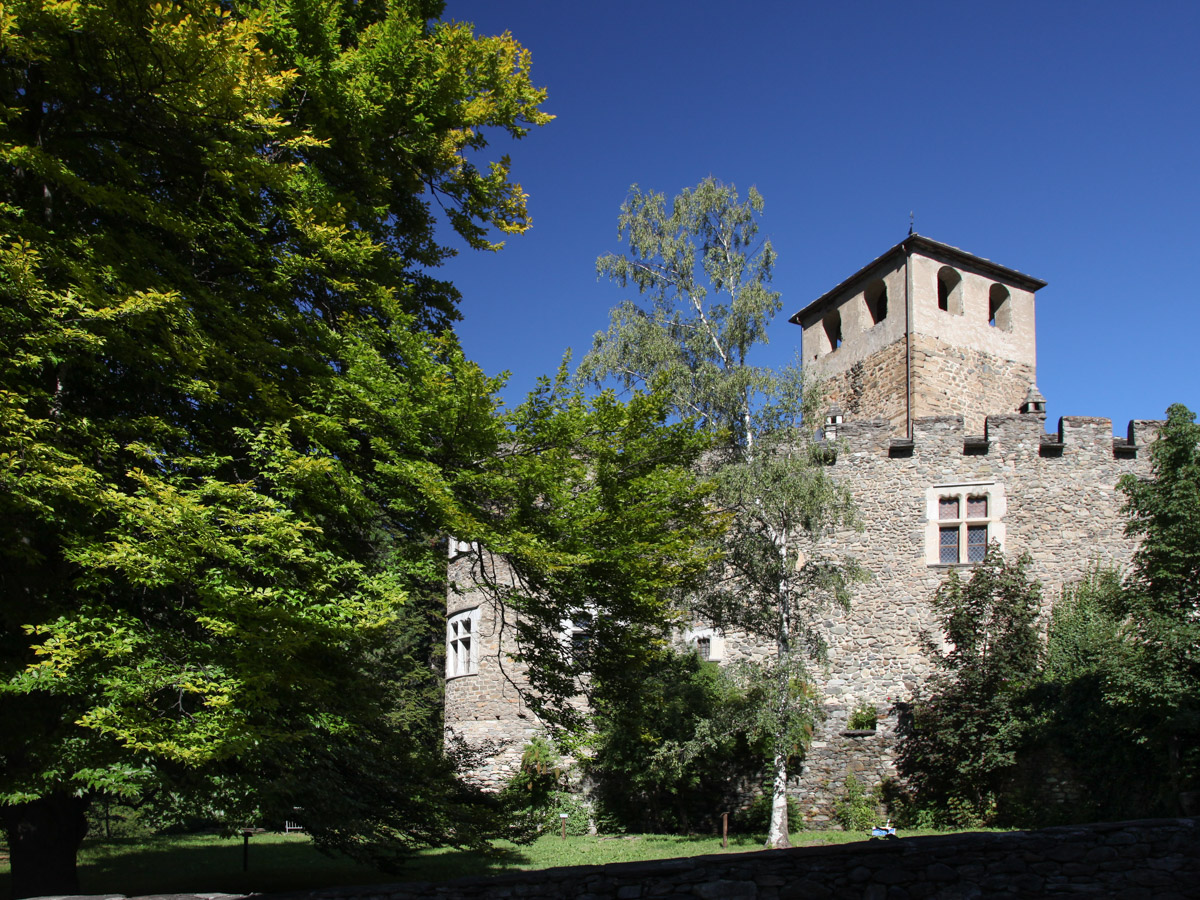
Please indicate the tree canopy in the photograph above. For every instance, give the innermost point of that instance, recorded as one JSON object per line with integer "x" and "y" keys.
{"x": 595, "y": 507}
{"x": 704, "y": 277}
{"x": 1160, "y": 605}
{"x": 230, "y": 425}
{"x": 960, "y": 740}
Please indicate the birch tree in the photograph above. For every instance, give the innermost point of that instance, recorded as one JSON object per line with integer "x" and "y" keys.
{"x": 704, "y": 303}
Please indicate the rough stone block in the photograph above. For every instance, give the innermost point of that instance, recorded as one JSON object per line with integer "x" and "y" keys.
{"x": 726, "y": 890}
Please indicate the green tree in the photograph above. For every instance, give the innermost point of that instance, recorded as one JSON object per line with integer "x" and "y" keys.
{"x": 1160, "y": 606}
{"x": 1081, "y": 726}
{"x": 669, "y": 741}
{"x": 704, "y": 275}
{"x": 594, "y": 507}
{"x": 959, "y": 742}
{"x": 229, "y": 434}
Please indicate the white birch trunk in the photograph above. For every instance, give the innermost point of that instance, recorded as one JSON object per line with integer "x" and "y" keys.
{"x": 777, "y": 835}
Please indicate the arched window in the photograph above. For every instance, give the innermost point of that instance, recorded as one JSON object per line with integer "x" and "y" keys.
{"x": 877, "y": 301}
{"x": 833, "y": 329}
{"x": 949, "y": 286}
{"x": 1000, "y": 308}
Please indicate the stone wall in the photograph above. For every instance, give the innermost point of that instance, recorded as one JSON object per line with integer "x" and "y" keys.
{"x": 952, "y": 379}
{"x": 946, "y": 380}
{"x": 1146, "y": 860}
{"x": 486, "y": 709}
{"x": 874, "y": 387}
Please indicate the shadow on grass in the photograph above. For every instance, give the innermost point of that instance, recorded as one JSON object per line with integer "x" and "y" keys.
{"x": 207, "y": 863}
{"x": 280, "y": 863}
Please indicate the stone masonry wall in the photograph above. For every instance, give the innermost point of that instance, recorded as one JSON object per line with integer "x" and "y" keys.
{"x": 947, "y": 379}
{"x": 1063, "y": 509}
{"x": 486, "y": 709}
{"x": 953, "y": 379}
{"x": 1146, "y": 860}
{"x": 874, "y": 387}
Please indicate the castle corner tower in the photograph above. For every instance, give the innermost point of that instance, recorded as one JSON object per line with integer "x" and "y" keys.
{"x": 924, "y": 330}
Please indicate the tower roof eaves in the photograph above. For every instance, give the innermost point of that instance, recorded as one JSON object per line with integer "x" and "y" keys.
{"x": 934, "y": 249}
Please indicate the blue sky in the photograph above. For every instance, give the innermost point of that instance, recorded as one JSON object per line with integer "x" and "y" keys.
{"x": 1057, "y": 138}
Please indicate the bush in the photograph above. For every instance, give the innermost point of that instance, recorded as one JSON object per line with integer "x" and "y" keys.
{"x": 864, "y": 718}
{"x": 578, "y": 815}
{"x": 109, "y": 819}
{"x": 667, "y": 750}
{"x": 959, "y": 742}
{"x": 539, "y": 774}
{"x": 533, "y": 795}
{"x": 858, "y": 809}
{"x": 756, "y": 818}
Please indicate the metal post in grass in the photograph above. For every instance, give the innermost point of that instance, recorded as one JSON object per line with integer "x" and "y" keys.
{"x": 563, "y": 818}
{"x": 246, "y": 832}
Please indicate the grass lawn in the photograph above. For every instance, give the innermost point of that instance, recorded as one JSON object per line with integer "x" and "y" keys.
{"x": 279, "y": 862}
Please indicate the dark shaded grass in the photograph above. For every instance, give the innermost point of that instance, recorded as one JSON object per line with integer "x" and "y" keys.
{"x": 278, "y": 862}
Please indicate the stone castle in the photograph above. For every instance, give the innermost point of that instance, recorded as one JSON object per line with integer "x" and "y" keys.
{"x": 928, "y": 358}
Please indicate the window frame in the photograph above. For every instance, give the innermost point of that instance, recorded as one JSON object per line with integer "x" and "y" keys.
{"x": 458, "y": 663}
{"x": 716, "y": 642}
{"x": 964, "y": 522}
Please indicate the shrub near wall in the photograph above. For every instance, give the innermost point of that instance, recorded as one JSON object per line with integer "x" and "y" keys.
{"x": 1156, "y": 859}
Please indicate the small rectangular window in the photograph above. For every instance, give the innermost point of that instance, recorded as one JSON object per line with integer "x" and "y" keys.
{"x": 961, "y": 520}
{"x": 948, "y": 508}
{"x": 460, "y": 658}
{"x": 976, "y": 543}
{"x": 949, "y": 545}
{"x": 704, "y": 647}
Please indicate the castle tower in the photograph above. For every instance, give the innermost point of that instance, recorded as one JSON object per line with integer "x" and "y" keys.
{"x": 924, "y": 330}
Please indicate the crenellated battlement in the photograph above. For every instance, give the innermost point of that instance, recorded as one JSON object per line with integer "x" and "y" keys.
{"x": 1005, "y": 435}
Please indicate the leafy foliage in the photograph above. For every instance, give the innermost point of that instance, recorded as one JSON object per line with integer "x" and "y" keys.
{"x": 536, "y": 791}
{"x": 229, "y": 434}
{"x": 1082, "y": 730}
{"x": 958, "y": 742}
{"x": 595, "y": 508}
{"x": 704, "y": 277}
{"x": 857, "y": 809}
{"x": 670, "y": 740}
{"x": 1160, "y": 605}
{"x": 755, "y": 818}
{"x": 865, "y": 717}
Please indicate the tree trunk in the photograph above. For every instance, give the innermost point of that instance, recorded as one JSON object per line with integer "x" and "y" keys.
{"x": 777, "y": 836}
{"x": 43, "y": 837}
